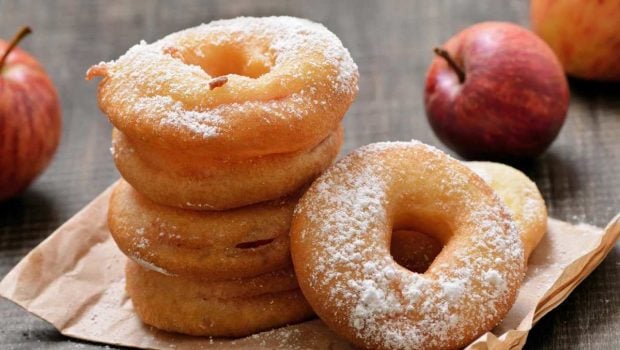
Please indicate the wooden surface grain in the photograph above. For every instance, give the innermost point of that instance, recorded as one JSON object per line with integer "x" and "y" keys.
{"x": 391, "y": 42}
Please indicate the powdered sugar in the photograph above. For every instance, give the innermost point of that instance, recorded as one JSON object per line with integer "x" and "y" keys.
{"x": 150, "y": 266}
{"x": 480, "y": 171}
{"x": 453, "y": 289}
{"x": 349, "y": 213}
{"x": 280, "y": 338}
{"x": 205, "y": 124}
{"x": 533, "y": 204}
{"x": 494, "y": 278}
{"x": 140, "y": 244}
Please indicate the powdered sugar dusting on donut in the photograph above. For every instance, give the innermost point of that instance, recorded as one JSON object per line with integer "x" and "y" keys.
{"x": 290, "y": 37}
{"x": 152, "y": 81}
{"x": 205, "y": 124}
{"x": 533, "y": 206}
{"x": 483, "y": 173}
{"x": 386, "y": 305}
{"x": 150, "y": 266}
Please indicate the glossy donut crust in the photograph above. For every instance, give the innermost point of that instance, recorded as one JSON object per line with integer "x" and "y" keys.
{"x": 237, "y": 243}
{"x": 340, "y": 240}
{"x": 289, "y": 83}
{"x": 183, "y": 181}
{"x": 232, "y": 308}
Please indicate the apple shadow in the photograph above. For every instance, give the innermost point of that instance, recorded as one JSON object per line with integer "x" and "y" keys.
{"x": 25, "y": 220}
{"x": 590, "y": 88}
{"x": 603, "y": 96}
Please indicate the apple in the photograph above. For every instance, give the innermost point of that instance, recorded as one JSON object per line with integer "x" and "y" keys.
{"x": 30, "y": 119}
{"x": 584, "y": 34}
{"x": 496, "y": 91}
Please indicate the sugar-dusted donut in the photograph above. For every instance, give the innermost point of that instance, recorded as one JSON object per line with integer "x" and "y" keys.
{"x": 236, "y": 243}
{"x": 236, "y": 88}
{"x": 340, "y": 245}
{"x": 197, "y": 183}
{"x": 521, "y": 196}
{"x": 232, "y": 308}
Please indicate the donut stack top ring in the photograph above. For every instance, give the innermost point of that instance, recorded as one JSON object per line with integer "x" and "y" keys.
{"x": 217, "y": 129}
{"x": 237, "y": 88}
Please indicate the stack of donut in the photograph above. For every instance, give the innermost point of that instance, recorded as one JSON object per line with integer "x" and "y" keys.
{"x": 218, "y": 129}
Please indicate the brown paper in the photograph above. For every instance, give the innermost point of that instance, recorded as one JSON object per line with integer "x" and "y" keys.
{"x": 74, "y": 280}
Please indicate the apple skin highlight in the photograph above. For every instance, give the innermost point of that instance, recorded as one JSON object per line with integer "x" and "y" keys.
{"x": 512, "y": 102}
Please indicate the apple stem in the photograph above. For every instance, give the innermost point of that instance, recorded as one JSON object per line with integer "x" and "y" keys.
{"x": 16, "y": 39}
{"x": 451, "y": 62}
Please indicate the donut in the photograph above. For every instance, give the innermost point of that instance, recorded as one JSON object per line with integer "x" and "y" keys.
{"x": 521, "y": 196}
{"x": 211, "y": 245}
{"x": 234, "y": 89}
{"x": 232, "y": 308}
{"x": 204, "y": 184}
{"x": 340, "y": 246}
{"x": 415, "y": 250}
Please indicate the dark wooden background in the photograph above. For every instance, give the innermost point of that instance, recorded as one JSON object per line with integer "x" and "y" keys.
{"x": 391, "y": 42}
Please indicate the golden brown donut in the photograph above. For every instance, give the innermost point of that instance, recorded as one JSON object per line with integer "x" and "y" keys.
{"x": 234, "y": 89}
{"x": 213, "y": 245}
{"x": 190, "y": 182}
{"x": 232, "y": 308}
{"x": 416, "y": 251}
{"x": 340, "y": 241}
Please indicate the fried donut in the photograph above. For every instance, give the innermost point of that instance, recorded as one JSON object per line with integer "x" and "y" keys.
{"x": 231, "y": 308}
{"x": 285, "y": 85}
{"x": 340, "y": 245}
{"x": 212, "y": 245}
{"x": 416, "y": 251}
{"x": 197, "y": 183}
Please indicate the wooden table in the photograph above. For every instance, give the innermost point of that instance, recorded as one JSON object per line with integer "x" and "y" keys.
{"x": 391, "y": 42}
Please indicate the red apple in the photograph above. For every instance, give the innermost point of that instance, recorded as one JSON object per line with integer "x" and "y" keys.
{"x": 585, "y": 35}
{"x": 496, "y": 91}
{"x": 29, "y": 118}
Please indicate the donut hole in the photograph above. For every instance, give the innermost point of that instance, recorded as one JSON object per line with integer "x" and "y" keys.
{"x": 414, "y": 250}
{"x": 218, "y": 60}
{"x": 254, "y": 244}
{"x": 418, "y": 236}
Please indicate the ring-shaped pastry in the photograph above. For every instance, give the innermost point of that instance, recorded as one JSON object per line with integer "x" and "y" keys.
{"x": 184, "y": 181}
{"x": 231, "y": 89}
{"x": 340, "y": 245}
{"x": 233, "y": 308}
{"x": 211, "y": 245}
